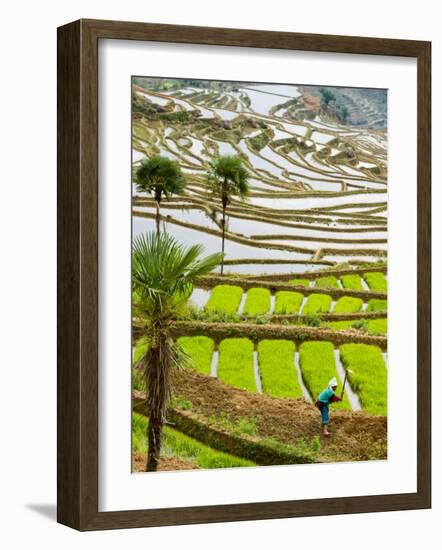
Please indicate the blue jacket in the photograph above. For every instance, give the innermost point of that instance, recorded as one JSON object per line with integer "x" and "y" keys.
{"x": 327, "y": 396}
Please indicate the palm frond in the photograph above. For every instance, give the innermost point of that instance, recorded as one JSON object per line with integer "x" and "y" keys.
{"x": 160, "y": 174}
{"x": 163, "y": 270}
{"x": 227, "y": 173}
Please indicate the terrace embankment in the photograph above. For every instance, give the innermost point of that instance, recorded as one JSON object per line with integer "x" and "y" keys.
{"x": 358, "y": 315}
{"x": 255, "y": 332}
{"x": 355, "y": 435}
{"x": 271, "y": 261}
{"x": 312, "y": 275}
{"x": 211, "y": 281}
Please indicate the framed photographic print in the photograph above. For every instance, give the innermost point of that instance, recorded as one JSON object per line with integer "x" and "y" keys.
{"x": 231, "y": 206}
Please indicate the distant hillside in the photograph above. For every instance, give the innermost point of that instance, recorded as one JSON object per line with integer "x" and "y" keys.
{"x": 359, "y": 107}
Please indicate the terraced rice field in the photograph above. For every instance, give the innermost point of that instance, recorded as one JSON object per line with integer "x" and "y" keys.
{"x": 373, "y": 326}
{"x": 235, "y": 365}
{"x": 199, "y": 351}
{"x": 225, "y": 299}
{"x": 276, "y": 374}
{"x": 317, "y": 303}
{"x": 277, "y": 370}
{"x": 232, "y": 299}
{"x": 368, "y": 375}
{"x": 376, "y": 281}
{"x": 347, "y": 304}
{"x": 303, "y": 296}
{"x": 257, "y": 302}
{"x": 287, "y": 302}
{"x": 318, "y": 193}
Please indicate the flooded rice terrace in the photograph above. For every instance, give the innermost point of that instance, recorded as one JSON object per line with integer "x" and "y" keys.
{"x": 317, "y": 163}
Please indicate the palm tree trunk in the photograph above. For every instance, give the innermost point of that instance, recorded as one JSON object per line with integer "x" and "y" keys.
{"x": 157, "y": 204}
{"x": 158, "y": 388}
{"x": 154, "y": 443}
{"x": 223, "y": 223}
{"x": 224, "y": 199}
{"x": 157, "y": 217}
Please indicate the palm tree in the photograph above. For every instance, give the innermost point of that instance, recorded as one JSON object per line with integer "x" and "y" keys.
{"x": 227, "y": 176}
{"x": 163, "y": 273}
{"x": 159, "y": 176}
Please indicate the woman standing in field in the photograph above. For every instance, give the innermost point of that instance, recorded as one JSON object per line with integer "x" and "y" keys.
{"x": 325, "y": 398}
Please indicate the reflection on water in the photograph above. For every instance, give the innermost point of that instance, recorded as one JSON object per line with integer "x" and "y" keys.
{"x": 289, "y": 90}
{"x": 251, "y": 227}
{"x": 206, "y": 113}
{"x": 197, "y": 146}
{"x": 322, "y": 138}
{"x": 263, "y": 102}
{"x": 188, "y": 215}
{"x": 199, "y": 297}
{"x": 325, "y": 244}
{"x": 261, "y": 163}
{"x": 224, "y": 113}
{"x": 136, "y": 155}
{"x": 212, "y": 243}
{"x": 317, "y": 202}
{"x": 263, "y": 269}
{"x": 294, "y": 128}
{"x": 225, "y": 148}
{"x": 154, "y": 99}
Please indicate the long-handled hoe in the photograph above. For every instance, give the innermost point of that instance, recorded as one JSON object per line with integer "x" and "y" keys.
{"x": 345, "y": 380}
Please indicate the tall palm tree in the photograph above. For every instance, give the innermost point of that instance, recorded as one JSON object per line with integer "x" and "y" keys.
{"x": 159, "y": 176}
{"x": 163, "y": 273}
{"x": 227, "y": 176}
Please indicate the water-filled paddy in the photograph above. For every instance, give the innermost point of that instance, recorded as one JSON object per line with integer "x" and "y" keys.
{"x": 155, "y": 99}
{"x": 271, "y": 269}
{"x": 250, "y": 227}
{"x": 317, "y": 202}
{"x": 137, "y": 155}
{"x": 212, "y": 243}
{"x": 300, "y": 168}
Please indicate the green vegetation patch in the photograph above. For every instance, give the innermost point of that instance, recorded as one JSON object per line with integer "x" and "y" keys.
{"x": 300, "y": 282}
{"x": 329, "y": 281}
{"x": 140, "y": 350}
{"x": 224, "y": 299}
{"x": 368, "y": 376}
{"x": 352, "y": 282}
{"x": 347, "y": 304}
{"x": 199, "y": 349}
{"x": 287, "y": 302}
{"x": 376, "y": 281}
{"x": 285, "y": 105}
{"x": 257, "y": 302}
{"x": 317, "y": 362}
{"x": 343, "y": 325}
{"x": 240, "y": 426}
{"x": 377, "y": 305}
{"x": 183, "y": 447}
{"x": 317, "y": 303}
{"x": 276, "y": 366}
{"x": 259, "y": 141}
{"x": 138, "y": 382}
{"x": 374, "y": 327}
{"x": 377, "y": 326}
{"x": 235, "y": 364}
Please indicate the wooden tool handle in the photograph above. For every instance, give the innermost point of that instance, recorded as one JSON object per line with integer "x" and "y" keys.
{"x": 343, "y": 385}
